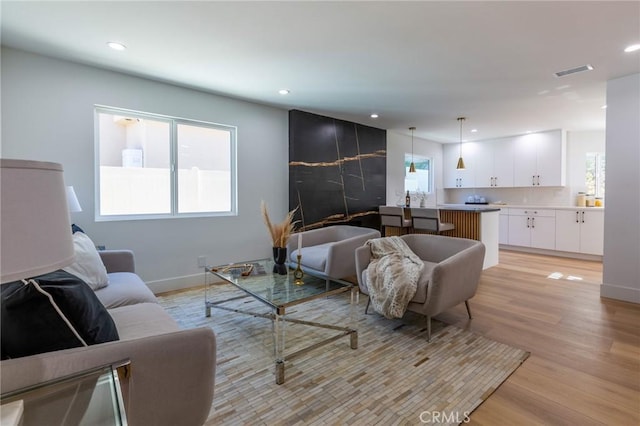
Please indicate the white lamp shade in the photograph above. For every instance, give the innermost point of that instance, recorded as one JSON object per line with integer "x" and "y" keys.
{"x": 72, "y": 200}
{"x": 34, "y": 220}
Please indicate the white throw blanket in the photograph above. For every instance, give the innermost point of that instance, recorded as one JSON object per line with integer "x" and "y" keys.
{"x": 392, "y": 275}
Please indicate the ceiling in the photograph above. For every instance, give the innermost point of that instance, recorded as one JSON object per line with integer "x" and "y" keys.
{"x": 419, "y": 64}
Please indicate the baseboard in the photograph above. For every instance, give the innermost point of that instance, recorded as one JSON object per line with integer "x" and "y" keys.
{"x": 617, "y": 292}
{"x": 176, "y": 283}
{"x": 557, "y": 253}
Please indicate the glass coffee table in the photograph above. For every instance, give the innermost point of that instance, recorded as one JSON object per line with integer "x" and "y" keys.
{"x": 280, "y": 292}
{"x": 91, "y": 397}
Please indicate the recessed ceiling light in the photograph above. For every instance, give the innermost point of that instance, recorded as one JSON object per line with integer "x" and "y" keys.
{"x": 116, "y": 46}
{"x": 632, "y": 48}
{"x": 474, "y": 130}
{"x": 374, "y": 115}
{"x": 603, "y": 107}
{"x": 283, "y": 91}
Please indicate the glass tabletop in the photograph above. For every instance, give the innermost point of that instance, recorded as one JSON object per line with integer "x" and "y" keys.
{"x": 275, "y": 289}
{"x": 89, "y": 398}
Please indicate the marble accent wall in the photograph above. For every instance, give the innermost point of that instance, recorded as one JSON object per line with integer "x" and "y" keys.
{"x": 337, "y": 171}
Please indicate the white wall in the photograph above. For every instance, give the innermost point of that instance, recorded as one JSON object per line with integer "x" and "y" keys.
{"x": 47, "y": 114}
{"x": 621, "y": 273}
{"x": 397, "y": 145}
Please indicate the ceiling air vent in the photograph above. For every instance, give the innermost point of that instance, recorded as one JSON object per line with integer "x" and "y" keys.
{"x": 574, "y": 70}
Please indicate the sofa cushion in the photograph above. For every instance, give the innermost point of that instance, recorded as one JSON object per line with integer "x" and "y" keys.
{"x": 30, "y": 324}
{"x": 314, "y": 257}
{"x": 142, "y": 320}
{"x": 125, "y": 288}
{"x": 87, "y": 265}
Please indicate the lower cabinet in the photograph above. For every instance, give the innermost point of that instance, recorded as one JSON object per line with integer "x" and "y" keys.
{"x": 580, "y": 231}
{"x": 532, "y": 228}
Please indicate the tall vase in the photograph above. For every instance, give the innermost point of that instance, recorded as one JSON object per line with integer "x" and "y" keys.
{"x": 279, "y": 257}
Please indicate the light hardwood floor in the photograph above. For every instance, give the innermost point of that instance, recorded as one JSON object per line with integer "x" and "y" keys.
{"x": 584, "y": 366}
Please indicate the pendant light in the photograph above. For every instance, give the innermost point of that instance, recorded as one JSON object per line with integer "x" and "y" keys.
{"x": 412, "y": 166}
{"x": 460, "y": 165}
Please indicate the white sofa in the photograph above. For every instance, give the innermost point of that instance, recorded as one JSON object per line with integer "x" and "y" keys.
{"x": 172, "y": 370}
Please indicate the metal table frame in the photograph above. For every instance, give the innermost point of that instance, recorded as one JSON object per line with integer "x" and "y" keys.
{"x": 279, "y": 317}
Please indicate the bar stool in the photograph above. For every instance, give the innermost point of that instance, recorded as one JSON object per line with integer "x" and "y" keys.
{"x": 398, "y": 217}
{"x": 429, "y": 220}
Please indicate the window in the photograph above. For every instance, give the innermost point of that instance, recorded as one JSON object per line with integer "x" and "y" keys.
{"x": 420, "y": 181}
{"x": 595, "y": 173}
{"x": 152, "y": 166}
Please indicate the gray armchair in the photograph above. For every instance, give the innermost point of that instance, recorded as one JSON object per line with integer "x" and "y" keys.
{"x": 452, "y": 268}
{"x": 329, "y": 252}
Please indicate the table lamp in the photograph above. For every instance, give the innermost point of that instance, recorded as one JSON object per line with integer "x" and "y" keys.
{"x": 35, "y": 233}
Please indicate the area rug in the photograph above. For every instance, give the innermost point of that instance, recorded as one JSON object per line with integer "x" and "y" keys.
{"x": 394, "y": 377}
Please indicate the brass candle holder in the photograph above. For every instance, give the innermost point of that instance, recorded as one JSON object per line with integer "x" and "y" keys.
{"x": 298, "y": 273}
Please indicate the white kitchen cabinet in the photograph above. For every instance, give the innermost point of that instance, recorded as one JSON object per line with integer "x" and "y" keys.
{"x": 493, "y": 165}
{"x": 454, "y": 178}
{"x": 580, "y": 231}
{"x": 503, "y": 230}
{"x": 532, "y": 228}
{"x": 539, "y": 159}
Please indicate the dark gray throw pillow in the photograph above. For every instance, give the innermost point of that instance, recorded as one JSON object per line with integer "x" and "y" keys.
{"x": 29, "y": 324}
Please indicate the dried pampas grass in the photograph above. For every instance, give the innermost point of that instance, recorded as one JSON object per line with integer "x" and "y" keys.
{"x": 280, "y": 232}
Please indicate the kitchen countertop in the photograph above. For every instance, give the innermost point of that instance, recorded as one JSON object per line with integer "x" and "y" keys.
{"x": 495, "y": 207}
{"x": 478, "y": 208}
{"x": 537, "y": 206}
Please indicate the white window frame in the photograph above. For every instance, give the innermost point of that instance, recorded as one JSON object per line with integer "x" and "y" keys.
{"x": 598, "y": 158}
{"x": 416, "y": 159}
{"x": 173, "y": 122}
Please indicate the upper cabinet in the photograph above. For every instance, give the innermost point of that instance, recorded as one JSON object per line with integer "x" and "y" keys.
{"x": 539, "y": 159}
{"x": 459, "y": 178}
{"x": 494, "y": 164}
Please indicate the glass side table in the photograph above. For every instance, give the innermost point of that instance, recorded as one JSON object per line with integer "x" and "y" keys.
{"x": 92, "y": 397}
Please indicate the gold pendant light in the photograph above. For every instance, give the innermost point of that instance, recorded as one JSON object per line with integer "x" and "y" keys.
{"x": 412, "y": 166}
{"x": 460, "y": 164}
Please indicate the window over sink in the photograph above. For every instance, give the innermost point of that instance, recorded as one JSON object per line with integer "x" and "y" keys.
{"x": 595, "y": 176}
{"x": 420, "y": 182}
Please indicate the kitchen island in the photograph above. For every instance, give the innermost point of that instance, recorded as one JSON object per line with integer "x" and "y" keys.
{"x": 476, "y": 222}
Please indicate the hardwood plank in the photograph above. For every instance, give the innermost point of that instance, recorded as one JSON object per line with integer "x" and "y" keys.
{"x": 584, "y": 366}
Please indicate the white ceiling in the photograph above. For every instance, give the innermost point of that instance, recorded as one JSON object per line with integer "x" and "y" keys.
{"x": 416, "y": 64}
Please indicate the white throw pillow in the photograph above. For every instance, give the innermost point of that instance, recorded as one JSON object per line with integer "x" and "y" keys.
{"x": 88, "y": 266}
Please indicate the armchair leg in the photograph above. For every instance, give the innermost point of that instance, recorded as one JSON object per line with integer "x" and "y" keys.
{"x": 428, "y": 329}
{"x": 466, "y": 303}
{"x": 368, "y": 303}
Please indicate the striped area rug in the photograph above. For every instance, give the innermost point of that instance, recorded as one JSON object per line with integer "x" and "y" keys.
{"x": 394, "y": 377}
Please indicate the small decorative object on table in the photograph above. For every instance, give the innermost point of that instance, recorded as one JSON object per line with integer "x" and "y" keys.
{"x": 280, "y": 233}
{"x": 279, "y": 257}
{"x": 238, "y": 269}
{"x": 422, "y": 196}
{"x": 298, "y": 273}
